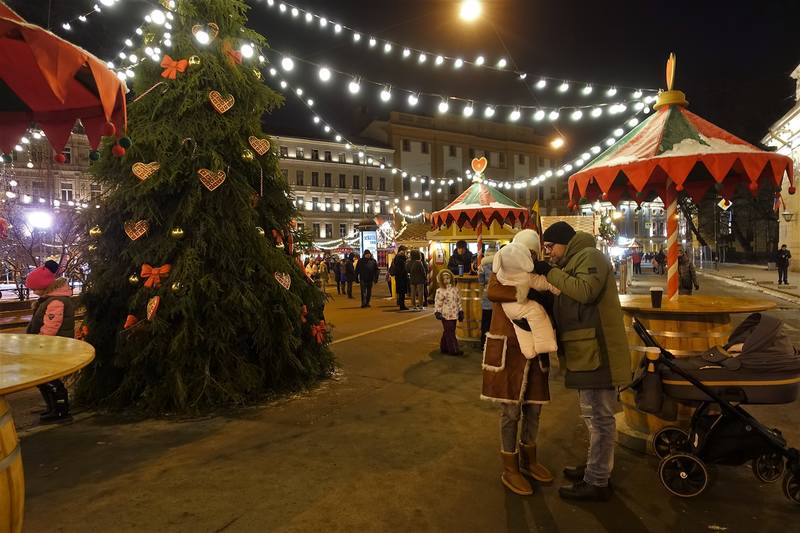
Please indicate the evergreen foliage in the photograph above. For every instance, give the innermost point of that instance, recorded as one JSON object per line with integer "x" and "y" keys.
{"x": 226, "y": 332}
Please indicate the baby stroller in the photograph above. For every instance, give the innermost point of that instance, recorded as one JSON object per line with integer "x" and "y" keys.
{"x": 721, "y": 432}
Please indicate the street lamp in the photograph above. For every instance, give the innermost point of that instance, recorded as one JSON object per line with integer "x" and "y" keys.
{"x": 470, "y": 10}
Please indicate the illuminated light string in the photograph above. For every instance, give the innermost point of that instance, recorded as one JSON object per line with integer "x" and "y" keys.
{"x": 422, "y": 57}
{"x": 513, "y": 112}
{"x": 585, "y": 157}
{"x": 97, "y": 8}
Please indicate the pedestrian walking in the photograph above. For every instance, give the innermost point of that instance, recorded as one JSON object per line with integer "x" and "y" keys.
{"x": 636, "y": 258}
{"x": 484, "y": 274}
{"x": 427, "y": 280}
{"x": 322, "y": 272}
{"x": 518, "y": 384}
{"x": 350, "y": 273}
{"x": 593, "y": 342}
{"x": 400, "y": 273}
{"x": 783, "y": 260}
{"x": 448, "y": 310}
{"x": 687, "y": 277}
{"x": 660, "y": 263}
{"x": 417, "y": 275}
{"x": 367, "y": 275}
{"x": 53, "y": 315}
{"x": 389, "y": 282}
{"x": 337, "y": 274}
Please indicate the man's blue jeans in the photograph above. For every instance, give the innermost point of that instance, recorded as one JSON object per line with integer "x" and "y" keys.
{"x": 597, "y": 410}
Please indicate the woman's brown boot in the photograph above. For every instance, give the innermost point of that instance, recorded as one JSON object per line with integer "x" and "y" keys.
{"x": 530, "y": 466}
{"x": 511, "y": 477}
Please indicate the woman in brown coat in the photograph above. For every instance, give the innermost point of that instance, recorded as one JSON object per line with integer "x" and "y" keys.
{"x": 520, "y": 386}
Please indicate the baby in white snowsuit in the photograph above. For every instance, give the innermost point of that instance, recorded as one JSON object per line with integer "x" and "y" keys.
{"x": 513, "y": 265}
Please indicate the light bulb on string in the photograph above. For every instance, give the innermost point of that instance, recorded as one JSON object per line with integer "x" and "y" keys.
{"x": 82, "y": 18}
{"x": 310, "y": 102}
{"x": 541, "y": 84}
{"x": 539, "y": 115}
{"x": 413, "y": 99}
{"x": 611, "y": 92}
{"x": 372, "y": 42}
{"x": 406, "y": 53}
{"x": 287, "y": 63}
{"x": 295, "y": 12}
{"x": 66, "y": 26}
{"x": 439, "y": 60}
{"x": 356, "y": 37}
{"x": 387, "y": 48}
{"x": 595, "y": 149}
{"x": 324, "y": 74}
{"x": 158, "y": 17}
{"x": 557, "y": 143}
{"x": 514, "y": 115}
{"x": 638, "y": 106}
{"x": 553, "y": 116}
{"x": 284, "y": 84}
{"x": 443, "y": 106}
{"x": 309, "y": 17}
{"x": 468, "y": 110}
{"x": 323, "y": 22}
{"x": 282, "y": 7}
{"x": 564, "y": 87}
{"x": 587, "y": 90}
{"x": 502, "y": 63}
{"x": 337, "y": 28}
{"x": 327, "y": 129}
{"x": 480, "y": 60}
{"x": 618, "y": 132}
{"x": 422, "y": 58}
{"x": 637, "y": 94}
{"x": 386, "y": 94}
{"x": 458, "y": 63}
{"x": 139, "y": 31}
{"x": 633, "y": 122}
{"x": 316, "y": 120}
{"x": 354, "y": 86}
{"x": 128, "y": 43}
{"x": 610, "y": 141}
{"x": 576, "y": 115}
{"x": 299, "y": 91}
{"x": 488, "y": 112}
{"x": 202, "y": 37}
{"x": 596, "y": 112}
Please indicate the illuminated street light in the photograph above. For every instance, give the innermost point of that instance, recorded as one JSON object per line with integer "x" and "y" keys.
{"x": 470, "y": 10}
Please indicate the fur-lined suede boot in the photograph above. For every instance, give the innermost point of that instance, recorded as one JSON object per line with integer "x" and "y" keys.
{"x": 511, "y": 477}
{"x": 530, "y": 466}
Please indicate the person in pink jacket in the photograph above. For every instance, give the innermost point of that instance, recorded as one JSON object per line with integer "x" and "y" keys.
{"x": 54, "y": 315}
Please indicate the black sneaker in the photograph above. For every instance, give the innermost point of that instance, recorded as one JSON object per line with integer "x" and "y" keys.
{"x": 582, "y": 491}
{"x": 55, "y": 418}
{"x": 575, "y": 473}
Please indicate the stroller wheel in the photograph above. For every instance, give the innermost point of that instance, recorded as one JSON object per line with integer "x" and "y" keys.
{"x": 670, "y": 440}
{"x": 791, "y": 487}
{"x": 769, "y": 467}
{"x": 683, "y": 475}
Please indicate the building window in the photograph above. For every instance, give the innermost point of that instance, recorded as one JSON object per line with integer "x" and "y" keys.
{"x": 329, "y": 230}
{"x": 328, "y": 205}
{"x": 38, "y": 189}
{"x": 355, "y": 228}
{"x": 316, "y": 230}
{"x": 541, "y": 161}
{"x": 300, "y": 177}
{"x": 342, "y": 229}
{"x": 406, "y": 145}
{"x": 68, "y": 155}
{"x": 66, "y": 192}
{"x": 285, "y": 172}
{"x": 383, "y": 207}
{"x": 453, "y": 189}
{"x": 301, "y": 203}
{"x": 328, "y": 182}
{"x": 314, "y": 203}
{"x": 381, "y": 184}
{"x": 357, "y": 207}
{"x": 471, "y": 154}
{"x": 356, "y": 182}
{"x": 314, "y": 154}
{"x": 299, "y": 153}
{"x": 301, "y": 227}
{"x": 369, "y": 183}
{"x": 342, "y": 206}
{"x": 426, "y": 184}
{"x": 328, "y": 156}
{"x": 502, "y": 159}
{"x": 452, "y": 150}
{"x": 342, "y": 181}
{"x": 284, "y": 151}
{"x": 521, "y": 159}
{"x": 406, "y": 184}
{"x": 553, "y": 190}
{"x": 342, "y": 158}
{"x": 426, "y": 148}
{"x": 315, "y": 179}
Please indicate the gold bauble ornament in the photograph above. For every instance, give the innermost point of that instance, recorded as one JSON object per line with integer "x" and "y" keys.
{"x": 92, "y": 248}
{"x": 194, "y": 60}
{"x": 149, "y": 37}
{"x": 176, "y": 287}
{"x": 95, "y": 232}
{"x": 133, "y": 279}
{"x": 176, "y": 233}
{"x": 257, "y": 73}
{"x": 247, "y": 155}
{"x": 260, "y": 231}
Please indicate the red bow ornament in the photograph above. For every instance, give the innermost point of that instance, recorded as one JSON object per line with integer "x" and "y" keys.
{"x": 319, "y": 331}
{"x": 153, "y": 275}
{"x": 172, "y": 67}
{"x": 303, "y": 314}
{"x": 234, "y": 55}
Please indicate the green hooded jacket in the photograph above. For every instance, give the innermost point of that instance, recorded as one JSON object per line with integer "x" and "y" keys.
{"x": 588, "y": 316}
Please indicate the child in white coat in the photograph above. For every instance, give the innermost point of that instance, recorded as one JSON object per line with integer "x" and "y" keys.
{"x": 448, "y": 310}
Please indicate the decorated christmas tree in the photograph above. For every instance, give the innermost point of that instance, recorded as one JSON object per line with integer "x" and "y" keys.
{"x": 195, "y": 297}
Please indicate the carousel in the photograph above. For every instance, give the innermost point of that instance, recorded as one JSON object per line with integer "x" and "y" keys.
{"x": 676, "y": 153}
{"x": 480, "y": 213}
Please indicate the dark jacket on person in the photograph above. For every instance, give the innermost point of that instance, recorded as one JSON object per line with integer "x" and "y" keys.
{"x": 687, "y": 277}
{"x": 337, "y": 271}
{"x": 417, "y": 272}
{"x": 588, "y": 316}
{"x": 783, "y": 257}
{"x": 349, "y": 271}
{"x": 398, "y": 270}
{"x": 456, "y": 259}
{"x": 367, "y": 271}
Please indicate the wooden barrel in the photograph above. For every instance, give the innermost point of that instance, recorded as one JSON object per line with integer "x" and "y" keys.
{"x": 471, "y": 293}
{"x": 683, "y": 335}
{"x": 12, "y": 480}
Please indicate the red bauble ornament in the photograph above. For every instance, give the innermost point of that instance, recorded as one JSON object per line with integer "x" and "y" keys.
{"x": 109, "y": 129}
{"x": 792, "y": 189}
{"x": 679, "y": 187}
{"x": 60, "y": 158}
{"x": 118, "y": 150}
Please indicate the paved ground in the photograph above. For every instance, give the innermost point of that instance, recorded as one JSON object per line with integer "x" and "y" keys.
{"x": 398, "y": 441}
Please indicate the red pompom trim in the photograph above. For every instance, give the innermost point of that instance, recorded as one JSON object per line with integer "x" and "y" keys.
{"x": 60, "y": 158}
{"x": 118, "y": 150}
{"x": 679, "y": 187}
{"x": 753, "y": 186}
{"x": 109, "y": 129}
{"x": 792, "y": 189}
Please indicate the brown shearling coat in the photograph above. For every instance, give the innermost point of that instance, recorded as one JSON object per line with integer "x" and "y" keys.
{"x": 507, "y": 376}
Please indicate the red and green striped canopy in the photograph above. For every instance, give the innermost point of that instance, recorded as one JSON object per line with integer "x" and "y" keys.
{"x": 480, "y": 204}
{"x": 675, "y": 146}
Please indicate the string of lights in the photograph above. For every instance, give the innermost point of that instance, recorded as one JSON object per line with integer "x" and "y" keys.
{"x": 424, "y": 57}
{"x": 469, "y": 106}
{"x": 85, "y": 16}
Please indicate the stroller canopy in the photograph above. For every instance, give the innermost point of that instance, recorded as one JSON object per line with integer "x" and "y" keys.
{"x": 766, "y": 347}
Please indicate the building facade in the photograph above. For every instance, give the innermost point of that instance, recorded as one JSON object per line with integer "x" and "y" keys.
{"x": 334, "y": 187}
{"x": 436, "y": 153}
{"x": 784, "y": 136}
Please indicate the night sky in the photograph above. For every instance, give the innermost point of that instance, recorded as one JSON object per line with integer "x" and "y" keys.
{"x": 734, "y": 57}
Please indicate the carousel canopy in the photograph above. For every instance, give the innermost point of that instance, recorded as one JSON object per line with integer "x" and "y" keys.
{"x": 675, "y": 145}
{"x": 50, "y": 82}
{"x": 480, "y": 204}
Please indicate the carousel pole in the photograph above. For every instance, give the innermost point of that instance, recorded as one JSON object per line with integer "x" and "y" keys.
{"x": 480, "y": 244}
{"x": 672, "y": 241}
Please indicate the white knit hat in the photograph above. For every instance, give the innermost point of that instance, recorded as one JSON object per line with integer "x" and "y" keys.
{"x": 529, "y": 238}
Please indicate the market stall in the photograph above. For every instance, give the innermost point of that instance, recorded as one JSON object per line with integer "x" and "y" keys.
{"x": 481, "y": 212}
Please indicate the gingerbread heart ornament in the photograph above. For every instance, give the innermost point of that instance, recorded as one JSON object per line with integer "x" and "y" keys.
{"x": 145, "y": 170}
{"x": 284, "y": 279}
{"x": 221, "y": 103}
{"x": 479, "y": 165}
{"x": 211, "y": 29}
{"x": 134, "y": 230}
{"x": 210, "y": 179}
{"x": 261, "y": 146}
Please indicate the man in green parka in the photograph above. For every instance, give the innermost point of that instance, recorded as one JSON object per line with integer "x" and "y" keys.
{"x": 593, "y": 346}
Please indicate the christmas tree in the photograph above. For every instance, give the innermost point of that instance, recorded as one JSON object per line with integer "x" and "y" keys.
{"x": 195, "y": 297}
